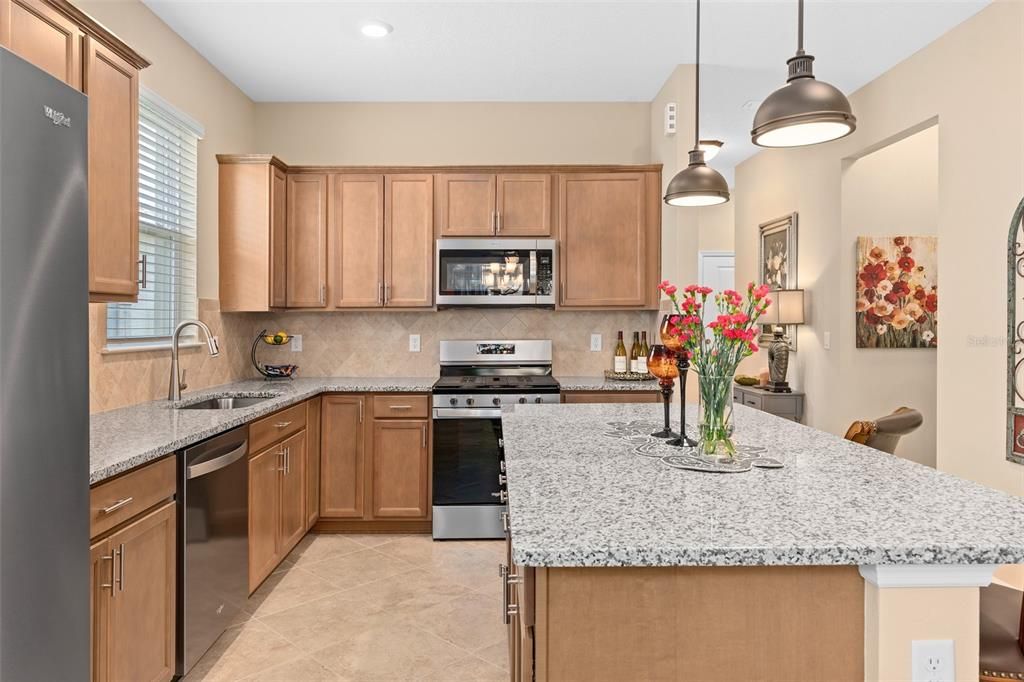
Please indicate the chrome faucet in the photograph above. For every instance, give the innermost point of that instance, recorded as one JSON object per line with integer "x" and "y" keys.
{"x": 178, "y": 384}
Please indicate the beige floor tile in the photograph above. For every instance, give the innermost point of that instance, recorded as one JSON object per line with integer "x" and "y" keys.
{"x": 241, "y": 651}
{"x": 496, "y": 654}
{"x": 471, "y": 621}
{"x": 407, "y": 593}
{"x": 392, "y": 652}
{"x": 298, "y": 670}
{"x": 323, "y": 622}
{"x": 358, "y": 568}
{"x": 286, "y": 589}
{"x": 423, "y": 550}
{"x": 375, "y": 539}
{"x": 470, "y": 669}
{"x": 313, "y": 548}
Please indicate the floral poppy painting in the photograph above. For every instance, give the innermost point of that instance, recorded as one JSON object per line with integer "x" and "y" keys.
{"x": 897, "y": 292}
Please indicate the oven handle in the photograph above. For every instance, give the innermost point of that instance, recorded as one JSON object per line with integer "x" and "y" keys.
{"x": 466, "y": 413}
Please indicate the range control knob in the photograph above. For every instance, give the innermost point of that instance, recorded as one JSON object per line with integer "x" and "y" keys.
{"x": 453, "y": 401}
{"x": 496, "y": 401}
{"x": 469, "y": 401}
{"x": 522, "y": 401}
{"x": 538, "y": 400}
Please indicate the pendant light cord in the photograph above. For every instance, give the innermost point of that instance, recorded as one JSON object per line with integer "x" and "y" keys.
{"x": 800, "y": 28}
{"x": 696, "y": 99}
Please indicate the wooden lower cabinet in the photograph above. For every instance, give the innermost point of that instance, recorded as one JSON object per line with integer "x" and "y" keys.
{"x": 313, "y": 408}
{"x": 293, "y": 492}
{"x": 133, "y": 596}
{"x": 342, "y": 457}
{"x": 401, "y": 468}
{"x": 277, "y": 505}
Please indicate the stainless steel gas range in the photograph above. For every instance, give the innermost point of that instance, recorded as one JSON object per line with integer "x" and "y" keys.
{"x": 477, "y": 378}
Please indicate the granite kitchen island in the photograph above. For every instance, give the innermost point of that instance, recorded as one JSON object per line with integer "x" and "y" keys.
{"x": 626, "y": 568}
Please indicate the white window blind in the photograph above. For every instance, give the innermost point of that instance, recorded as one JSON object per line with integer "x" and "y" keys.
{"x": 168, "y": 152}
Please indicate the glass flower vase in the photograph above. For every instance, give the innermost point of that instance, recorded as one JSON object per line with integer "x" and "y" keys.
{"x": 714, "y": 418}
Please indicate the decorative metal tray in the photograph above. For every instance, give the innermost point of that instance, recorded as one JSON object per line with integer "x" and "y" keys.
{"x": 638, "y": 434}
{"x": 628, "y": 376}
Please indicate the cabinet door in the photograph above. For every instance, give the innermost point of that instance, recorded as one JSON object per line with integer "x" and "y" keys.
{"x": 278, "y": 238}
{"x": 401, "y": 468}
{"x": 465, "y": 205}
{"x": 602, "y": 230}
{"x": 313, "y": 408}
{"x": 524, "y": 205}
{"x": 356, "y": 240}
{"x": 409, "y": 241}
{"x": 101, "y": 581}
{"x": 342, "y": 456}
{"x": 306, "y": 208}
{"x": 293, "y": 492}
{"x": 264, "y": 513}
{"x": 142, "y": 608}
{"x": 39, "y": 34}
{"x": 112, "y": 85}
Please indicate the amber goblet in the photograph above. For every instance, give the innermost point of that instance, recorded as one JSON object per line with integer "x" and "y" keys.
{"x": 682, "y": 361}
{"x": 661, "y": 362}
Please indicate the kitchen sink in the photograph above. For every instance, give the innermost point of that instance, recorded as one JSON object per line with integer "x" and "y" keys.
{"x": 225, "y": 403}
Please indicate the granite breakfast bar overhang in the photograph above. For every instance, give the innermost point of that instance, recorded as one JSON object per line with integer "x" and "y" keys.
{"x": 825, "y": 569}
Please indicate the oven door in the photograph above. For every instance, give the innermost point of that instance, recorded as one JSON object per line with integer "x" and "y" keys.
{"x": 495, "y": 272}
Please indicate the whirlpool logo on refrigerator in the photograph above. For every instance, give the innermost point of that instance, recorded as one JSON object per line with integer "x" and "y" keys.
{"x": 58, "y": 118}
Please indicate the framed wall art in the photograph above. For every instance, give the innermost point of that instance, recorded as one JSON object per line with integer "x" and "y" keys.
{"x": 777, "y": 257}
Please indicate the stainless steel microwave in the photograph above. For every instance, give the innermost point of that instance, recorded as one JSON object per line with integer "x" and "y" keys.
{"x": 498, "y": 272}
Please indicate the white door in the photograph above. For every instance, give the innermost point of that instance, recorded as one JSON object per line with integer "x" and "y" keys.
{"x": 716, "y": 269}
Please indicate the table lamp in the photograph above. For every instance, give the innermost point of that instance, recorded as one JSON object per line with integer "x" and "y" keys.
{"x": 787, "y": 308}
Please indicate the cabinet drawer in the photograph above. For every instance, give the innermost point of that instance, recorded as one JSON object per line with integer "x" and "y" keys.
{"x": 751, "y": 400}
{"x": 265, "y": 432}
{"x": 115, "y": 501}
{"x": 400, "y": 406}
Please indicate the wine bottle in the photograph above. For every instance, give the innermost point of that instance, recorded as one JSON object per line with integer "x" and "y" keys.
{"x": 645, "y": 350}
{"x": 634, "y": 353}
{"x": 621, "y": 359}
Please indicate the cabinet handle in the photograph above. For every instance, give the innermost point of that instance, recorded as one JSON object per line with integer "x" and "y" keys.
{"x": 360, "y": 411}
{"x": 144, "y": 280}
{"x": 323, "y": 294}
{"x": 399, "y": 407}
{"x": 387, "y": 292}
{"x": 120, "y": 564}
{"x": 280, "y": 461}
{"x": 117, "y": 505}
{"x": 512, "y": 610}
{"x": 113, "y": 571}
{"x": 380, "y": 293}
{"x": 283, "y": 425}
{"x": 502, "y": 496}
{"x": 502, "y": 572}
{"x": 424, "y": 428}
{"x": 504, "y": 521}
{"x": 497, "y": 223}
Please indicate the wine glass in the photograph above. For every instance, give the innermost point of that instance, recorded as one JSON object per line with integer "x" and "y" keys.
{"x": 661, "y": 363}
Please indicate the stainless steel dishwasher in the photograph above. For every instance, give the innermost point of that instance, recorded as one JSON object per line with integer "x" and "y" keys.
{"x": 213, "y": 541}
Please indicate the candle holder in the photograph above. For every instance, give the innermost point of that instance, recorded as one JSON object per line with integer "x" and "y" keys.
{"x": 661, "y": 363}
{"x": 682, "y": 363}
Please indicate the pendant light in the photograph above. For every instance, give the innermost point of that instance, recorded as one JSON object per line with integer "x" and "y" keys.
{"x": 804, "y": 111}
{"x": 697, "y": 184}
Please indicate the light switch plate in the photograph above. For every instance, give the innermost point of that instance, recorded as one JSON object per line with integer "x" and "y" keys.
{"x": 296, "y": 343}
{"x": 931, "y": 660}
{"x": 595, "y": 342}
{"x": 828, "y": 340}
{"x": 414, "y": 343}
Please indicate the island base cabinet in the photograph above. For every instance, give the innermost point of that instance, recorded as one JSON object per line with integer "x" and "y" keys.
{"x": 669, "y": 623}
{"x": 133, "y": 600}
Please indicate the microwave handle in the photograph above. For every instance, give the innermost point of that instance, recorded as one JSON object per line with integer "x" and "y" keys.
{"x": 531, "y": 286}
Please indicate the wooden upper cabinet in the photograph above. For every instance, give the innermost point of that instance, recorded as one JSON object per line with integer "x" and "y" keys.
{"x": 401, "y": 468}
{"x": 38, "y": 33}
{"x": 408, "y": 241}
{"x": 356, "y": 241}
{"x": 307, "y": 240}
{"x": 112, "y": 85}
{"x": 523, "y": 202}
{"x": 278, "y": 238}
{"x": 604, "y": 240}
{"x": 342, "y": 456}
{"x": 465, "y": 204}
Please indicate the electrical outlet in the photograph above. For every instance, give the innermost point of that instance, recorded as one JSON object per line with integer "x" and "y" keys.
{"x": 932, "y": 660}
{"x": 296, "y": 343}
{"x": 828, "y": 340}
{"x": 595, "y": 342}
{"x": 414, "y": 343}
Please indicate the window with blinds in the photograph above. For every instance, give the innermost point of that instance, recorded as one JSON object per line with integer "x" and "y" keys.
{"x": 168, "y": 152}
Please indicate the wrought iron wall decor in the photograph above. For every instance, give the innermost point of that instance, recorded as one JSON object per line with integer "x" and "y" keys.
{"x": 1015, "y": 340}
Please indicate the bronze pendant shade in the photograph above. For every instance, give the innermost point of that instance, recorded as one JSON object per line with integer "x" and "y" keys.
{"x": 698, "y": 184}
{"x": 805, "y": 111}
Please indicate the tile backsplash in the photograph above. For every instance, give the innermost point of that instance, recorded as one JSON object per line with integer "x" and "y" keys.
{"x": 349, "y": 344}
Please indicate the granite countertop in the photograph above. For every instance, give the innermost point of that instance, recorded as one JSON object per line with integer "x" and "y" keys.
{"x": 578, "y": 497}
{"x": 123, "y": 439}
{"x": 602, "y": 384}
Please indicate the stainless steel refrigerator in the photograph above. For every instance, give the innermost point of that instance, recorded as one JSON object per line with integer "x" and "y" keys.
{"x": 44, "y": 377}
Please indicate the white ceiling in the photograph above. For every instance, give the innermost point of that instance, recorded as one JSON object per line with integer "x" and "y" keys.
{"x": 287, "y": 50}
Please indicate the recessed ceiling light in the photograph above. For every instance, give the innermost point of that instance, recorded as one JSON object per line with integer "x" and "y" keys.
{"x": 376, "y": 29}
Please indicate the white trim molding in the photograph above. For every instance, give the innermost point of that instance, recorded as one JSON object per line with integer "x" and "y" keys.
{"x": 928, "y": 575}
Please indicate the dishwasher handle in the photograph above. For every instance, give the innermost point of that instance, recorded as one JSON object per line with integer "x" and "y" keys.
{"x": 215, "y": 462}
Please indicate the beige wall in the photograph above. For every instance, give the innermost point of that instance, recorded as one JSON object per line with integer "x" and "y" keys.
{"x": 429, "y": 133}
{"x": 182, "y": 77}
{"x": 980, "y": 175}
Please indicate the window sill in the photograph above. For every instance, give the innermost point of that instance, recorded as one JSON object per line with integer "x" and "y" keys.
{"x": 160, "y": 346}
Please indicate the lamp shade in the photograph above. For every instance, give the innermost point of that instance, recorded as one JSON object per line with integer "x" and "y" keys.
{"x": 787, "y": 307}
{"x": 697, "y": 184}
